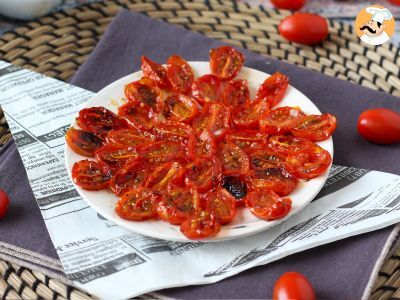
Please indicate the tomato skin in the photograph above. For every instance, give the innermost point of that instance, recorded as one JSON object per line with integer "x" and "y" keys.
{"x": 138, "y": 115}
{"x": 180, "y": 74}
{"x": 131, "y": 176}
{"x": 261, "y": 159}
{"x": 173, "y": 131}
{"x": 287, "y": 144}
{"x": 268, "y": 205}
{"x": 221, "y": 203}
{"x": 90, "y": 175}
{"x": 218, "y": 120}
{"x": 115, "y": 156}
{"x": 144, "y": 91}
{"x": 155, "y": 72}
{"x": 247, "y": 139}
{"x": 225, "y": 62}
{"x": 180, "y": 108}
{"x": 204, "y": 173}
{"x": 237, "y": 187}
{"x": 130, "y": 137}
{"x": 4, "y": 204}
{"x": 161, "y": 152}
{"x": 202, "y": 144}
{"x": 165, "y": 174}
{"x": 273, "y": 89}
{"x": 207, "y": 88}
{"x": 236, "y": 93}
{"x": 289, "y": 4}
{"x": 394, "y": 2}
{"x": 380, "y": 125}
{"x": 315, "y": 127}
{"x": 293, "y": 285}
{"x": 233, "y": 159}
{"x": 304, "y": 28}
{"x": 280, "y": 120}
{"x": 83, "y": 142}
{"x": 247, "y": 116}
{"x": 202, "y": 224}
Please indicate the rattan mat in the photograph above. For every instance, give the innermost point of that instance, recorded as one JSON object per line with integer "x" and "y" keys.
{"x": 56, "y": 45}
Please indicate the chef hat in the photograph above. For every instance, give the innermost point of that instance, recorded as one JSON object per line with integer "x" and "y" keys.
{"x": 379, "y": 14}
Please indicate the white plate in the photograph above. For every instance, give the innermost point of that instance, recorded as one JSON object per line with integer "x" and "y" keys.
{"x": 245, "y": 223}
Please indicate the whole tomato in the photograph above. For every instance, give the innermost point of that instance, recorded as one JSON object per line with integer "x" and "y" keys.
{"x": 394, "y": 2}
{"x": 4, "y": 203}
{"x": 289, "y": 4}
{"x": 380, "y": 125}
{"x": 304, "y": 28}
{"x": 293, "y": 285}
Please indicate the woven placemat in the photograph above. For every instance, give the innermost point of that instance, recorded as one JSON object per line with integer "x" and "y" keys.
{"x": 56, "y": 45}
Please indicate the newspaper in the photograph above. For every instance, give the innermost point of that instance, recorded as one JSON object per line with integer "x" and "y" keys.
{"x": 111, "y": 262}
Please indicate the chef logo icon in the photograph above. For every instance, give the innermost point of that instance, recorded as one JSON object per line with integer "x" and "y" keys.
{"x": 375, "y": 25}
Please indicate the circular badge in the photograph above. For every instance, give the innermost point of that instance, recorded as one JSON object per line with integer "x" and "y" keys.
{"x": 375, "y": 25}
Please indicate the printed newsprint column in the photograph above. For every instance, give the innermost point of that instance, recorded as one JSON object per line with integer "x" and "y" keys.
{"x": 103, "y": 258}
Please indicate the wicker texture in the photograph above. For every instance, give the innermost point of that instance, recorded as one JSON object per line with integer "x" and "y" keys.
{"x": 56, "y": 45}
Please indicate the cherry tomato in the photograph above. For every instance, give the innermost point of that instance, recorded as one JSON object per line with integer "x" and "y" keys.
{"x": 293, "y": 285}
{"x": 202, "y": 224}
{"x": 139, "y": 116}
{"x": 380, "y": 125}
{"x": 115, "y": 156}
{"x": 225, "y": 62}
{"x": 138, "y": 205}
{"x": 144, "y": 91}
{"x": 99, "y": 120}
{"x": 207, "y": 88}
{"x": 309, "y": 163}
{"x": 130, "y": 137}
{"x": 180, "y": 74}
{"x": 304, "y": 28}
{"x": 233, "y": 159}
{"x": 268, "y": 205}
{"x": 395, "y": 2}
{"x": 4, "y": 203}
{"x": 173, "y": 131}
{"x": 280, "y": 120}
{"x": 237, "y": 187}
{"x": 315, "y": 127}
{"x": 286, "y": 144}
{"x": 247, "y": 116}
{"x": 204, "y": 173}
{"x": 273, "y": 89}
{"x": 155, "y": 72}
{"x": 90, "y": 175}
{"x": 163, "y": 175}
{"x": 247, "y": 139}
{"x": 236, "y": 93}
{"x": 218, "y": 120}
{"x": 289, "y": 4}
{"x": 178, "y": 204}
{"x": 131, "y": 176}
{"x": 222, "y": 204}
{"x": 179, "y": 108}
{"x": 274, "y": 179}
{"x": 201, "y": 144}
{"x": 83, "y": 142}
{"x": 162, "y": 151}
{"x": 265, "y": 158}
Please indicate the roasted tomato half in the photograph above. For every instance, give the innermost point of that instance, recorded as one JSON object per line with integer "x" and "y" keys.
{"x": 173, "y": 131}
{"x": 268, "y": 205}
{"x": 280, "y": 120}
{"x": 138, "y": 115}
{"x": 265, "y": 158}
{"x": 131, "y": 176}
{"x": 202, "y": 224}
{"x": 83, "y": 142}
{"x": 99, "y": 120}
{"x": 236, "y": 93}
{"x": 286, "y": 144}
{"x": 275, "y": 179}
{"x": 162, "y": 151}
{"x": 178, "y": 204}
{"x": 201, "y": 144}
{"x": 130, "y": 137}
{"x": 248, "y": 116}
{"x": 273, "y": 89}
{"x": 207, "y": 89}
{"x": 165, "y": 174}
{"x": 204, "y": 173}
{"x": 180, "y": 74}
{"x": 144, "y": 91}
{"x": 247, "y": 139}
{"x": 315, "y": 127}
{"x": 233, "y": 159}
{"x": 115, "y": 156}
{"x": 309, "y": 163}
{"x": 222, "y": 204}
{"x": 91, "y": 175}
{"x": 179, "y": 108}
{"x": 225, "y": 62}
{"x": 138, "y": 205}
{"x": 155, "y": 72}
{"x": 237, "y": 187}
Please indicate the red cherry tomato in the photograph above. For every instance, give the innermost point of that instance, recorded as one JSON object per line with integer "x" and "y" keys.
{"x": 139, "y": 116}
{"x": 202, "y": 144}
{"x": 173, "y": 131}
{"x": 280, "y": 120}
{"x": 286, "y": 144}
{"x": 315, "y": 127}
{"x": 247, "y": 139}
{"x": 225, "y": 62}
{"x": 233, "y": 159}
{"x": 218, "y": 120}
{"x": 115, "y": 155}
{"x": 180, "y": 74}
{"x": 273, "y": 89}
{"x": 131, "y": 176}
{"x": 4, "y": 203}
{"x": 304, "y": 28}
{"x": 83, "y": 142}
{"x": 155, "y": 72}
{"x": 266, "y": 158}
{"x": 207, "y": 88}
{"x": 204, "y": 173}
{"x": 162, "y": 151}
{"x": 144, "y": 91}
{"x": 289, "y": 4}
{"x": 394, "y": 2}
{"x": 236, "y": 93}
{"x": 247, "y": 116}
{"x": 163, "y": 175}
{"x": 267, "y": 205}
{"x": 130, "y": 137}
{"x": 201, "y": 225}
{"x": 180, "y": 108}
{"x": 91, "y": 175}
{"x": 222, "y": 204}
{"x": 293, "y": 285}
{"x": 380, "y": 125}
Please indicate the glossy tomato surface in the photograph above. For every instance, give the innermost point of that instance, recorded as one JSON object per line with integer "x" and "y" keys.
{"x": 83, "y": 142}
{"x": 179, "y": 108}
{"x": 380, "y": 125}
{"x": 91, "y": 175}
{"x": 222, "y": 204}
{"x": 139, "y": 116}
{"x": 289, "y": 4}
{"x": 180, "y": 74}
{"x": 273, "y": 89}
{"x": 315, "y": 127}
{"x": 156, "y": 72}
{"x": 207, "y": 88}
{"x": 293, "y": 285}
{"x": 225, "y": 62}
{"x": 144, "y": 91}
{"x": 304, "y": 28}
{"x": 202, "y": 224}
{"x": 268, "y": 205}
{"x": 4, "y": 204}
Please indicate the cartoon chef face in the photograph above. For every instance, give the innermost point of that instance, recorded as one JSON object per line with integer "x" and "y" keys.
{"x": 375, "y": 26}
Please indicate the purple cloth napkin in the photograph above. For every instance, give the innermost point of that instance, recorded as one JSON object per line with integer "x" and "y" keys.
{"x": 339, "y": 270}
